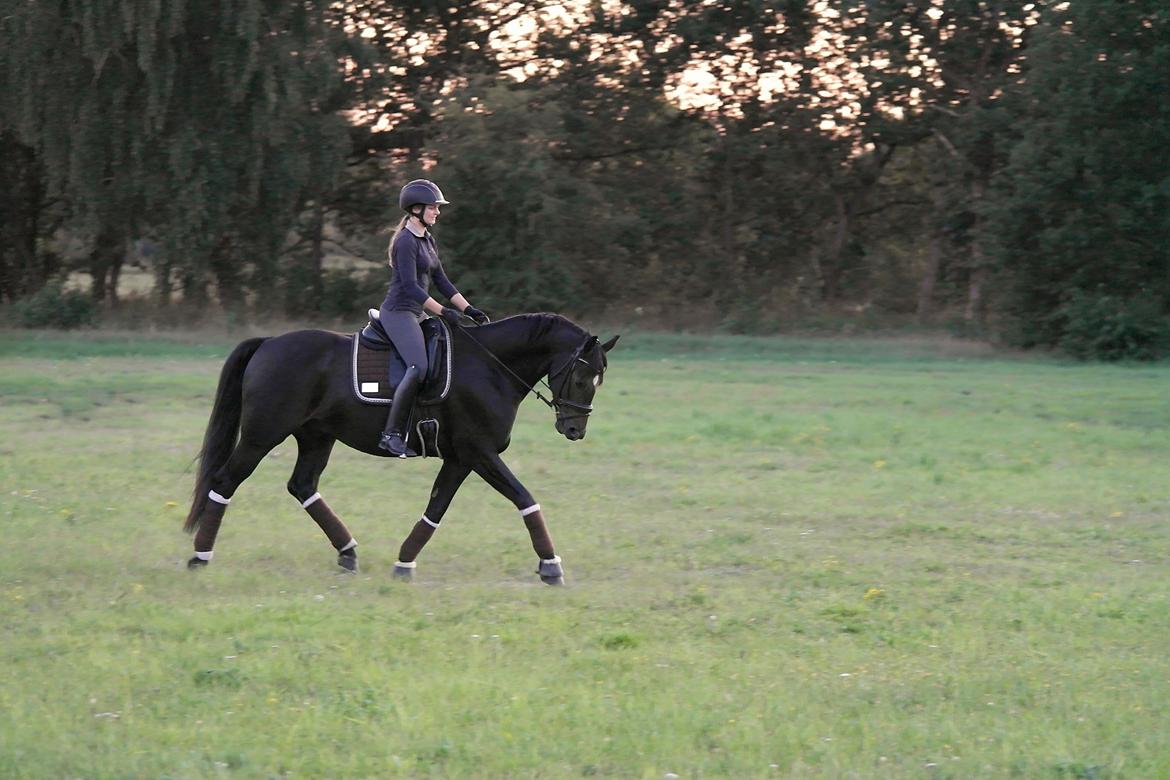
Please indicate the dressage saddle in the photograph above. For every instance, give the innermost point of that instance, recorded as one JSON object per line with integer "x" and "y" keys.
{"x": 378, "y": 368}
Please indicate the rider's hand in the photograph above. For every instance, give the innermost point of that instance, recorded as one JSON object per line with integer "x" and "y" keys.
{"x": 451, "y": 316}
{"x": 477, "y": 315}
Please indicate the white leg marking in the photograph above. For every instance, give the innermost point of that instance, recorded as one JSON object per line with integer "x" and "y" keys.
{"x": 427, "y": 520}
{"x": 217, "y": 498}
{"x": 530, "y": 510}
{"x": 310, "y": 500}
{"x": 554, "y": 559}
{"x": 204, "y": 556}
{"x": 352, "y": 544}
{"x": 401, "y": 565}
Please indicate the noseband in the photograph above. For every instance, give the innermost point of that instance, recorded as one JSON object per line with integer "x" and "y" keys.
{"x": 582, "y": 410}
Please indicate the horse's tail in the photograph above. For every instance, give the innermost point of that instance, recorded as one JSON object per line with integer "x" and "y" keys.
{"x": 224, "y": 425}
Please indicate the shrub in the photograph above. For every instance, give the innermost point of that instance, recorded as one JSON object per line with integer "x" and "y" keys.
{"x": 55, "y": 307}
{"x": 347, "y": 294}
{"x": 1107, "y": 327}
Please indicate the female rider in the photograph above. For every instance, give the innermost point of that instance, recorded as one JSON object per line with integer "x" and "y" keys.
{"x": 414, "y": 263}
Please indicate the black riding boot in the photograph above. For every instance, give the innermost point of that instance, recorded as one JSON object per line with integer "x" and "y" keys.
{"x": 392, "y": 438}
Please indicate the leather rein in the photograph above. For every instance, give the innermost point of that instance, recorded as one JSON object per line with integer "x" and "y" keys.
{"x": 583, "y": 410}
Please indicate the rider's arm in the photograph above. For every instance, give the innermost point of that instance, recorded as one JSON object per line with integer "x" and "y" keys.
{"x": 447, "y": 288}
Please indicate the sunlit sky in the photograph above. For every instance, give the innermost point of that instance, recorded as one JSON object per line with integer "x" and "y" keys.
{"x": 710, "y": 85}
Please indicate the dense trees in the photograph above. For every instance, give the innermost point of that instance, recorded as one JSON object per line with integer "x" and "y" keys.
{"x": 732, "y": 163}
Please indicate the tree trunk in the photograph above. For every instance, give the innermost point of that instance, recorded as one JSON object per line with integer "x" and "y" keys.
{"x": 226, "y": 267}
{"x": 105, "y": 263}
{"x": 832, "y": 270}
{"x": 23, "y": 269}
{"x": 974, "y": 316}
{"x": 929, "y": 283}
{"x": 316, "y": 261}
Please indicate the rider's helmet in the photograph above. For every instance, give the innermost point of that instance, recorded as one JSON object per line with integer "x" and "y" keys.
{"x": 421, "y": 192}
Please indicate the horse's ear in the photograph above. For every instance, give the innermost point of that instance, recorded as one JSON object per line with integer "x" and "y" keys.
{"x": 607, "y": 346}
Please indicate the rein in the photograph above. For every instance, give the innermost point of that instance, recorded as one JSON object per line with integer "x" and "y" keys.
{"x": 555, "y": 403}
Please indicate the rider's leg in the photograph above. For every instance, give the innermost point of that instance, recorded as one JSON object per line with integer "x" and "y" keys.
{"x": 404, "y": 331}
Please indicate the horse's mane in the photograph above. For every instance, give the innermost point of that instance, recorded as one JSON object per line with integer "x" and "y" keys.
{"x": 540, "y": 324}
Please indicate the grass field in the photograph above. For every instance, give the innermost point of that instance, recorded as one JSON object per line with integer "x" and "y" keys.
{"x": 870, "y": 559}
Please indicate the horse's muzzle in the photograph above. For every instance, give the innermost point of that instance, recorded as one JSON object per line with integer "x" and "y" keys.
{"x": 571, "y": 430}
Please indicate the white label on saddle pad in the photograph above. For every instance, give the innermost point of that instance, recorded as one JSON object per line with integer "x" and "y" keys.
{"x": 369, "y": 387}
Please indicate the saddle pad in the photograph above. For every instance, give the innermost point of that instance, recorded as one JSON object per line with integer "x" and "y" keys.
{"x": 370, "y": 371}
{"x": 371, "y": 374}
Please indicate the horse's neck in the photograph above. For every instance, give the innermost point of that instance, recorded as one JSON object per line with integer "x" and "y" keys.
{"x": 526, "y": 343}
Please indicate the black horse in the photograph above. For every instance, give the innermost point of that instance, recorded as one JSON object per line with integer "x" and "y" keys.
{"x": 299, "y": 384}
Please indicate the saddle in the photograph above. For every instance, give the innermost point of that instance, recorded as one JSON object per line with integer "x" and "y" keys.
{"x": 377, "y": 368}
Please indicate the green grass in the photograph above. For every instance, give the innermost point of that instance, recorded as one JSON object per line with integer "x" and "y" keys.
{"x": 785, "y": 559}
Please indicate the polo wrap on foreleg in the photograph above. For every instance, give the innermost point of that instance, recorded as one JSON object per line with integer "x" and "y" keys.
{"x": 422, "y": 532}
{"x": 209, "y": 523}
{"x": 534, "y": 522}
{"x": 339, "y": 535}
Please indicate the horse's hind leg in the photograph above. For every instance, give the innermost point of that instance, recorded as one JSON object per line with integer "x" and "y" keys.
{"x": 239, "y": 466}
{"x": 313, "y": 451}
{"x": 450, "y": 477}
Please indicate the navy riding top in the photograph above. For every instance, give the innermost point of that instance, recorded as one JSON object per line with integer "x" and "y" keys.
{"x": 415, "y": 264}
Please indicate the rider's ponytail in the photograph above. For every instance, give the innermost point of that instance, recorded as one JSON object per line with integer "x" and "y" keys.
{"x": 393, "y": 238}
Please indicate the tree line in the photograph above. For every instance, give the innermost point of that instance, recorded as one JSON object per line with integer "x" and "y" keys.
{"x": 738, "y": 164}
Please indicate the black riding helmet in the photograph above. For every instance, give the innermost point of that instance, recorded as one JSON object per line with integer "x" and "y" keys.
{"x": 420, "y": 192}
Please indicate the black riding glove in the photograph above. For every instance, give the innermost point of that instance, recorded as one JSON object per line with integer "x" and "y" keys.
{"x": 477, "y": 315}
{"x": 451, "y": 316}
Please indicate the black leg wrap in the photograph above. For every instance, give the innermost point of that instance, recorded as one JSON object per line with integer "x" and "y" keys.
{"x": 419, "y": 536}
{"x": 339, "y": 535}
{"x": 541, "y": 541}
{"x": 209, "y": 526}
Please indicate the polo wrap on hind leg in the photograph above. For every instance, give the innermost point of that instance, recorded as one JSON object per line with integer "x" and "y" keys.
{"x": 339, "y": 535}
{"x": 422, "y": 532}
{"x": 538, "y": 531}
{"x": 209, "y": 523}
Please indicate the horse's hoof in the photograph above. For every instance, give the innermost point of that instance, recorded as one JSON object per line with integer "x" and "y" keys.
{"x": 403, "y": 573}
{"x": 550, "y": 571}
{"x": 348, "y": 562}
{"x": 196, "y": 563}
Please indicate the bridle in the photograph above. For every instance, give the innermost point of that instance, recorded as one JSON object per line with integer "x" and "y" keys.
{"x": 582, "y": 410}
{"x": 569, "y": 366}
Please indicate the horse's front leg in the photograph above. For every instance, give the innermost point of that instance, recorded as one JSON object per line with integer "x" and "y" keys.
{"x": 499, "y": 476}
{"x": 447, "y": 483}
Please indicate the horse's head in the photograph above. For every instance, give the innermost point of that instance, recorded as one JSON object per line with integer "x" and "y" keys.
{"x": 574, "y": 382}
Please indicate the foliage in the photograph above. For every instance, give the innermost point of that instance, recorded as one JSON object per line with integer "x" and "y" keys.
{"x": 734, "y": 165}
{"x": 348, "y": 294}
{"x": 1083, "y": 212}
{"x": 202, "y": 125}
{"x": 1104, "y": 327}
{"x": 53, "y": 306}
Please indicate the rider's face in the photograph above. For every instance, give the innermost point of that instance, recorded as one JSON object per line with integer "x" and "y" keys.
{"x": 431, "y": 214}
